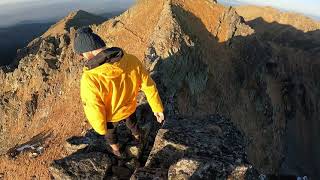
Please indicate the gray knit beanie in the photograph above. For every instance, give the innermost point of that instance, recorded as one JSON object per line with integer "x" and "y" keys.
{"x": 85, "y": 40}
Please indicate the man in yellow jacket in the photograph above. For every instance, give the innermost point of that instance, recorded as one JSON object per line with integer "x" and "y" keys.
{"x": 109, "y": 86}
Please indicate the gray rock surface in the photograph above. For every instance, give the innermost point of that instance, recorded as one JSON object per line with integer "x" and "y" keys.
{"x": 93, "y": 165}
{"x": 199, "y": 148}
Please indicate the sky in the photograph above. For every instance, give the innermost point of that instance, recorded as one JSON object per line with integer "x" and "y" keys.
{"x": 16, "y": 11}
{"x": 307, "y": 7}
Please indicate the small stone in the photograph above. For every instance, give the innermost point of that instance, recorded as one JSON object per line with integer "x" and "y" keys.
{"x": 183, "y": 169}
{"x": 33, "y": 154}
{"x": 133, "y": 151}
{"x": 244, "y": 172}
{"x": 40, "y": 150}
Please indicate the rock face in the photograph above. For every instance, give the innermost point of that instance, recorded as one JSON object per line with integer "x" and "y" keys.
{"x": 187, "y": 149}
{"x": 295, "y": 50}
{"x": 81, "y": 166}
{"x": 206, "y": 59}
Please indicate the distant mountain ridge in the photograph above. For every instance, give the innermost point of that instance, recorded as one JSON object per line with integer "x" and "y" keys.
{"x": 270, "y": 14}
{"x": 17, "y": 36}
{"x": 14, "y": 37}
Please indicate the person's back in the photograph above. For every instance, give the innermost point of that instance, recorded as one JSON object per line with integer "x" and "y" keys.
{"x": 109, "y": 86}
{"x": 115, "y": 85}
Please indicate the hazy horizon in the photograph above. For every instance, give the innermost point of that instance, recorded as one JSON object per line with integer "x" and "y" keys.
{"x": 17, "y": 11}
{"x": 310, "y": 8}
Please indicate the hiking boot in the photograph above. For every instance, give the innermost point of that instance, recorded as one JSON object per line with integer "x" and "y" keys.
{"x": 119, "y": 154}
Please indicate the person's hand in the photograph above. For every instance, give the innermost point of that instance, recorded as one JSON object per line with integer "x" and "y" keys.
{"x": 159, "y": 116}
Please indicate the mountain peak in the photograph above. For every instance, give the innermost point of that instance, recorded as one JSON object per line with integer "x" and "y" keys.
{"x": 76, "y": 19}
{"x": 208, "y": 63}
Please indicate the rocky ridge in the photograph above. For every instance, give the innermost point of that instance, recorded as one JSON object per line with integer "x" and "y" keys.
{"x": 75, "y": 19}
{"x": 204, "y": 62}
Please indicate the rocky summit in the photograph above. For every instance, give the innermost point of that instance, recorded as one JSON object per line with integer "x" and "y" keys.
{"x": 239, "y": 85}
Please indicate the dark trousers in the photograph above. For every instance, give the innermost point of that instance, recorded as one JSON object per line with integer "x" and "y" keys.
{"x": 131, "y": 123}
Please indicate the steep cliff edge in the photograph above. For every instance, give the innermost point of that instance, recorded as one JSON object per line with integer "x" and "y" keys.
{"x": 207, "y": 61}
{"x": 295, "y": 39}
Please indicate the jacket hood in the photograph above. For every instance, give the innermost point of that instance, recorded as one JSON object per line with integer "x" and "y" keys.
{"x": 107, "y": 62}
{"x": 109, "y": 55}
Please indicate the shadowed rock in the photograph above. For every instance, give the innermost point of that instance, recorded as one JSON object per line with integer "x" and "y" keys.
{"x": 204, "y": 148}
{"x": 35, "y": 144}
{"x": 93, "y": 165}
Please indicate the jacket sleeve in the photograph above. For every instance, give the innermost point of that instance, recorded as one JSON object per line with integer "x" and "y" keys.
{"x": 148, "y": 86}
{"x": 93, "y": 105}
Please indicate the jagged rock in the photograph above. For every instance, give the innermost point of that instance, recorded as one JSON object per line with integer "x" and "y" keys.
{"x": 183, "y": 169}
{"x": 53, "y": 63}
{"x": 47, "y": 47}
{"x": 245, "y": 172}
{"x": 64, "y": 41}
{"x": 91, "y": 141}
{"x": 75, "y": 144}
{"x": 31, "y": 106}
{"x": 93, "y": 165}
{"x": 133, "y": 151}
{"x": 187, "y": 148}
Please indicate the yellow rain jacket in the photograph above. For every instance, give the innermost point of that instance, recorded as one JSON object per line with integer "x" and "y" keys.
{"x": 109, "y": 86}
